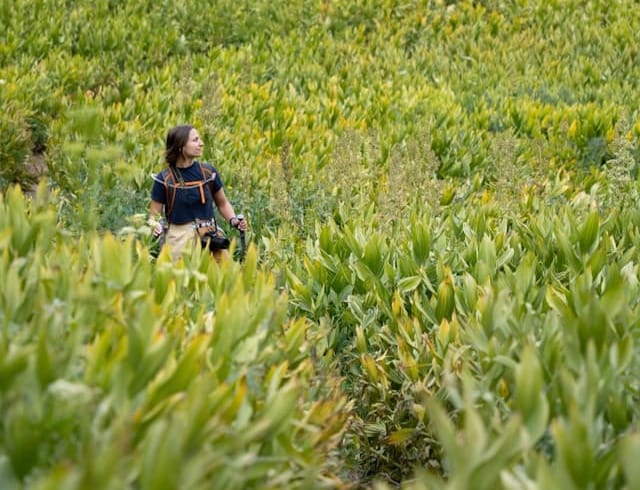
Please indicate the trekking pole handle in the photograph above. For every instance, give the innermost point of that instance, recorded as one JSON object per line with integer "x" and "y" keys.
{"x": 240, "y": 217}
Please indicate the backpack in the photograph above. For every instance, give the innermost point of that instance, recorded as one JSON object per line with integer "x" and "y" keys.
{"x": 172, "y": 181}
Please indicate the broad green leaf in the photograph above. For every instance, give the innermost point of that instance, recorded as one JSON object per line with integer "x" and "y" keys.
{"x": 177, "y": 379}
{"x": 530, "y": 399}
{"x": 589, "y": 232}
{"x": 8, "y": 480}
{"x": 161, "y": 465}
{"x": 408, "y": 284}
{"x": 629, "y": 452}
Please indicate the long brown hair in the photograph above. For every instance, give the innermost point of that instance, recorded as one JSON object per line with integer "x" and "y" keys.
{"x": 177, "y": 137}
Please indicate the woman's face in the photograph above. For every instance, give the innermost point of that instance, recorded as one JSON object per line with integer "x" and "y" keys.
{"x": 193, "y": 147}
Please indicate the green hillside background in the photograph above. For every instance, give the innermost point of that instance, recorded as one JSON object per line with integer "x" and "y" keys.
{"x": 441, "y": 286}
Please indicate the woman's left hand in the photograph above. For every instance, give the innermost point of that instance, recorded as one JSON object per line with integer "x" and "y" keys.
{"x": 238, "y": 222}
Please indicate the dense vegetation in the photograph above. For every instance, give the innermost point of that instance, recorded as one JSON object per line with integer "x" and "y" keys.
{"x": 442, "y": 285}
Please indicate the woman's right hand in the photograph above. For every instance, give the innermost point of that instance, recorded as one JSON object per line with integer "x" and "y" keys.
{"x": 157, "y": 228}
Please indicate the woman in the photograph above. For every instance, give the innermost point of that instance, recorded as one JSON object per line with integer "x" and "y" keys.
{"x": 185, "y": 190}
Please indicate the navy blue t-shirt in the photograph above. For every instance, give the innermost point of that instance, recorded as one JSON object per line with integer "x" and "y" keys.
{"x": 188, "y": 205}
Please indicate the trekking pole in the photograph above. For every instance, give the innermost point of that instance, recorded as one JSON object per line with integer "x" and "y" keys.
{"x": 243, "y": 243}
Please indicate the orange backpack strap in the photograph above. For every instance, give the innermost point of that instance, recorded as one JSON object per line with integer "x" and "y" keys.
{"x": 208, "y": 176}
{"x": 169, "y": 181}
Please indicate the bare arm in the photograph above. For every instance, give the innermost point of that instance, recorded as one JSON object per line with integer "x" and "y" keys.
{"x": 155, "y": 210}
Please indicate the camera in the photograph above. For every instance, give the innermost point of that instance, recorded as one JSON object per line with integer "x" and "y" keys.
{"x": 214, "y": 242}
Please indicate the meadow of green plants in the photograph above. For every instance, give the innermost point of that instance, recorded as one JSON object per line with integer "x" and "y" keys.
{"x": 441, "y": 288}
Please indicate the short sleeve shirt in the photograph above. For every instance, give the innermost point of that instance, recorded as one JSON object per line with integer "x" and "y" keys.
{"x": 188, "y": 202}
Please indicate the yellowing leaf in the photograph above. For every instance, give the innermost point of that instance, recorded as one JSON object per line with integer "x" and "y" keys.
{"x": 400, "y": 436}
